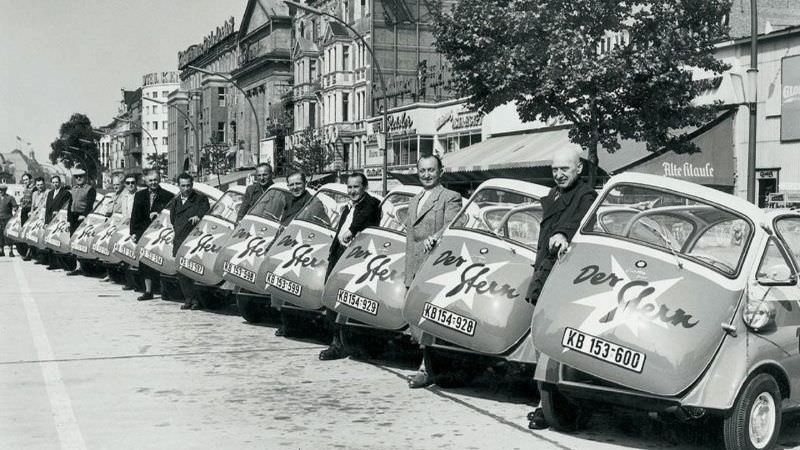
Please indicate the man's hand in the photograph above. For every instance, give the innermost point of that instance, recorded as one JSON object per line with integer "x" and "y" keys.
{"x": 558, "y": 244}
{"x": 194, "y": 220}
{"x": 81, "y": 217}
{"x": 430, "y": 242}
{"x": 135, "y": 239}
{"x": 346, "y": 236}
{"x": 153, "y": 215}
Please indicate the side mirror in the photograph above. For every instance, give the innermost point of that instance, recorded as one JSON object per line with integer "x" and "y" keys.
{"x": 777, "y": 275}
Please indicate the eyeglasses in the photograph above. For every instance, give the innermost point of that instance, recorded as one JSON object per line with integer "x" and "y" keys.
{"x": 130, "y": 183}
{"x": 78, "y": 176}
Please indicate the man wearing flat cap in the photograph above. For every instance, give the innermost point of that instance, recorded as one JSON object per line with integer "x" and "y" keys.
{"x": 81, "y": 204}
{"x": 7, "y": 208}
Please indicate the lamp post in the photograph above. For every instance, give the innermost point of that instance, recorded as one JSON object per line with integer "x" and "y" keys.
{"x": 752, "y": 78}
{"x": 184, "y": 115}
{"x": 250, "y": 102}
{"x": 385, "y": 123}
{"x": 155, "y": 146}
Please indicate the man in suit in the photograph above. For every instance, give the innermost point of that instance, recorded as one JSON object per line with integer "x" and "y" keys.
{"x": 362, "y": 211}
{"x": 8, "y": 206}
{"x": 255, "y": 190}
{"x": 562, "y": 211}
{"x": 58, "y": 198}
{"x": 147, "y": 204}
{"x": 83, "y": 195}
{"x": 186, "y": 211}
{"x": 38, "y": 199}
{"x": 429, "y": 212}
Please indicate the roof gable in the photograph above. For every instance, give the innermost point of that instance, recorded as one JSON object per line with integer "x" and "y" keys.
{"x": 258, "y": 13}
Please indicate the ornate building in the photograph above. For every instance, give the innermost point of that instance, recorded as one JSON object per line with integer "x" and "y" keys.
{"x": 156, "y": 88}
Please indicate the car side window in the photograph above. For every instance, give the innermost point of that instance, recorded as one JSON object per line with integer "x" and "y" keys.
{"x": 788, "y": 229}
{"x": 774, "y": 266}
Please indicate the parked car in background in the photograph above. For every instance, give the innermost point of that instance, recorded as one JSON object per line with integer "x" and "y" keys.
{"x": 691, "y": 308}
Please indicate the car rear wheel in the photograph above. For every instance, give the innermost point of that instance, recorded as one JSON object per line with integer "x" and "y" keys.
{"x": 250, "y": 311}
{"x": 560, "y": 413}
{"x": 359, "y": 343}
{"x": 450, "y": 369}
{"x": 755, "y": 420}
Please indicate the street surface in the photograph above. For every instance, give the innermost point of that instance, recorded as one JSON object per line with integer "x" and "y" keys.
{"x": 83, "y": 365}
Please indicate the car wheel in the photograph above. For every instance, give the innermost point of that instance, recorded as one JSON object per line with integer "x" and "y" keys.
{"x": 360, "y": 343}
{"x": 292, "y": 323}
{"x": 449, "y": 369}
{"x": 250, "y": 311}
{"x": 560, "y": 413}
{"x": 755, "y": 420}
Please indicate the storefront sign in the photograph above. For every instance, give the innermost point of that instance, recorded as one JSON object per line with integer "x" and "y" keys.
{"x": 460, "y": 120}
{"x": 397, "y": 124}
{"x": 373, "y": 172}
{"x": 790, "y": 98}
{"x": 160, "y": 78}
{"x": 213, "y": 38}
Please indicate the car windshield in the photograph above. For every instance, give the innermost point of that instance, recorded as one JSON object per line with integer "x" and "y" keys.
{"x": 270, "y": 205}
{"x": 227, "y": 206}
{"x": 324, "y": 209}
{"x": 511, "y": 216}
{"x": 103, "y": 206}
{"x": 673, "y": 222}
{"x": 788, "y": 229}
{"x": 394, "y": 211}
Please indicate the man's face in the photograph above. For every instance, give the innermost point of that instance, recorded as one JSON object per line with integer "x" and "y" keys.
{"x": 296, "y": 185}
{"x": 116, "y": 185}
{"x": 566, "y": 169}
{"x": 355, "y": 188}
{"x": 130, "y": 185}
{"x": 263, "y": 175}
{"x": 152, "y": 182}
{"x": 185, "y": 186}
{"x": 429, "y": 173}
{"x": 40, "y": 185}
{"x": 80, "y": 180}
{"x": 56, "y": 182}
{"x": 26, "y": 180}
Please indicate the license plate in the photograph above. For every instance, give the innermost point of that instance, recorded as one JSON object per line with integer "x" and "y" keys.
{"x": 283, "y": 284}
{"x": 603, "y": 350}
{"x": 147, "y": 254}
{"x": 80, "y": 248}
{"x": 356, "y": 301}
{"x": 239, "y": 272}
{"x": 102, "y": 249}
{"x": 54, "y": 242}
{"x": 126, "y": 251}
{"x": 191, "y": 265}
{"x": 449, "y": 319}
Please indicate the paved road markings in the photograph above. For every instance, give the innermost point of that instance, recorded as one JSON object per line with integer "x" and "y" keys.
{"x": 69, "y": 433}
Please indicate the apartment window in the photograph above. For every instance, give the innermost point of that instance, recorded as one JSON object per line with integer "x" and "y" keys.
{"x": 312, "y": 70}
{"x": 312, "y": 114}
{"x": 164, "y": 125}
{"x": 221, "y": 96}
{"x": 302, "y": 29}
{"x": 164, "y": 108}
{"x": 345, "y": 107}
{"x": 147, "y": 110}
{"x": 155, "y": 94}
{"x": 346, "y": 57}
{"x": 314, "y": 30}
{"x": 164, "y": 141}
{"x": 155, "y": 125}
{"x": 220, "y": 131}
{"x": 165, "y": 94}
{"x": 364, "y": 11}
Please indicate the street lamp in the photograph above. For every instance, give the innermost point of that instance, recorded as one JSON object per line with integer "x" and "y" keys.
{"x": 384, "y": 127}
{"x": 184, "y": 115}
{"x": 250, "y": 102}
{"x": 155, "y": 147}
{"x": 752, "y": 76}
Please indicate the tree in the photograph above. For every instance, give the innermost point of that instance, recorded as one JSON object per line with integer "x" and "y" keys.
{"x": 613, "y": 68}
{"x": 309, "y": 153}
{"x": 76, "y": 145}
{"x": 158, "y": 161}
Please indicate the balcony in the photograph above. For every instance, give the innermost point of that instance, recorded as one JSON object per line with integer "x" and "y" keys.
{"x": 337, "y": 79}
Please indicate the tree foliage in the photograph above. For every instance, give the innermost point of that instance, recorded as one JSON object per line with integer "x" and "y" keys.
{"x": 158, "y": 161}
{"x": 76, "y": 145}
{"x": 309, "y": 154}
{"x": 613, "y": 68}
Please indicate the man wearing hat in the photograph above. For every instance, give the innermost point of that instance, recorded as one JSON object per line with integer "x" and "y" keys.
{"x": 7, "y": 208}
{"x": 82, "y": 202}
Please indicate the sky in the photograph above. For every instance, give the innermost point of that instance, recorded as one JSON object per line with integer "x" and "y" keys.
{"x": 63, "y": 57}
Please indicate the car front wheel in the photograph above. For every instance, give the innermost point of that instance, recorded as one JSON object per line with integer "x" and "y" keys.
{"x": 755, "y": 420}
{"x": 560, "y": 413}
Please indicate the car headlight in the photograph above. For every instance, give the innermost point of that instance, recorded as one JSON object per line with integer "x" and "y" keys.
{"x": 757, "y": 314}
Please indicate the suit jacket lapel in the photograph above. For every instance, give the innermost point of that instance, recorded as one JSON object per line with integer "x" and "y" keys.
{"x": 432, "y": 199}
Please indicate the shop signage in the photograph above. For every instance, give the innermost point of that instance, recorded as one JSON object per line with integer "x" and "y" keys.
{"x": 790, "y": 98}
{"x": 213, "y": 38}
{"x": 373, "y": 172}
{"x": 397, "y": 125}
{"x": 160, "y": 78}
{"x": 687, "y": 169}
{"x": 460, "y": 120}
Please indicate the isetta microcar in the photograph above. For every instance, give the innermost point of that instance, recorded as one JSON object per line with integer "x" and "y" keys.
{"x": 245, "y": 246}
{"x": 468, "y": 297}
{"x": 199, "y": 252}
{"x": 33, "y": 229}
{"x": 366, "y": 288}
{"x": 13, "y": 228}
{"x": 692, "y": 308}
{"x": 84, "y": 236}
{"x": 155, "y": 244}
{"x": 294, "y": 267}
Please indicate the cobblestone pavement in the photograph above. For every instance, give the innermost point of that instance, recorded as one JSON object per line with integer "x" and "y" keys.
{"x": 84, "y": 365}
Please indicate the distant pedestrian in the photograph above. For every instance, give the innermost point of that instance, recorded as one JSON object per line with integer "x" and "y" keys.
{"x": 8, "y": 206}
{"x": 362, "y": 211}
{"x": 255, "y": 190}
{"x": 562, "y": 211}
{"x": 146, "y": 206}
{"x": 187, "y": 210}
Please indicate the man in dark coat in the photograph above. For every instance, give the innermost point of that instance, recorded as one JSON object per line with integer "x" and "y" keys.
{"x": 255, "y": 190}
{"x": 58, "y": 198}
{"x": 361, "y": 212}
{"x": 186, "y": 211}
{"x": 562, "y": 211}
{"x": 8, "y": 206}
{"x": 147, "y": 204}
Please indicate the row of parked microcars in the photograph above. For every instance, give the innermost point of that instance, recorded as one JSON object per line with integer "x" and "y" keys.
{"x": 674, "y": 297}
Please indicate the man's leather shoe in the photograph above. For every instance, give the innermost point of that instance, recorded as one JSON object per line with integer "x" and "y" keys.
{"x": 186, "y": 306}
{"x": 331, "y": 353}
{"x": 127, "y": 288}
{"x": 195, "y": 306}
{"x": 281, "y": 331}
{"x": 72, "y": 273}
{"x": 536, "y": 420}
{"x": 420, "y": 379}
{"x": 145, "y": 296}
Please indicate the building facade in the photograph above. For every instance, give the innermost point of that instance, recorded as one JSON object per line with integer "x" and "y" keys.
{"x": 156, "y": 88}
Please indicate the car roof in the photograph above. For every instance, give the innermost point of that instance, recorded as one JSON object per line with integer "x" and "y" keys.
{"x": 208, "y": 190}
{"x": 237, "y": 189}
{"x": 537, "y": 190}
{"x": 405, "y": 189}
{"x": 171, "y": 188}
{"x": 336, "y": 187}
